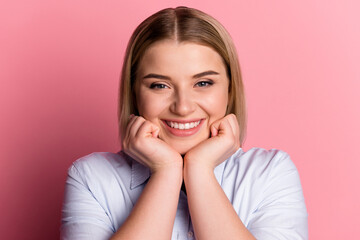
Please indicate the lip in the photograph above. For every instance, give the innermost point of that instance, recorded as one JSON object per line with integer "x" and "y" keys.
{"x": 183, "y": 132}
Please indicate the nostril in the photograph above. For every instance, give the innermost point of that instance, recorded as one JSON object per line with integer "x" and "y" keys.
{"x": 182, "y": 106}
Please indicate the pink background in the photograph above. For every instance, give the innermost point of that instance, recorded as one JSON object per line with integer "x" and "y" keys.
{"x": 59, "y": 68}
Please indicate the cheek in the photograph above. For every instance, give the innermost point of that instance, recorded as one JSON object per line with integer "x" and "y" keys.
{"x": 215, "y": 105}
{"x": 149, "y": 106}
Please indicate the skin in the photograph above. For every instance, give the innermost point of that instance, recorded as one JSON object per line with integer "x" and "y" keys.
{"x": 181, "y": 96}
{"x": 182, "y": 82}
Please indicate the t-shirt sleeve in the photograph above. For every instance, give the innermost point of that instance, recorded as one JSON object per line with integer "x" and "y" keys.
{"x": 281, "y": 213}
{"x": 82, "y": 215}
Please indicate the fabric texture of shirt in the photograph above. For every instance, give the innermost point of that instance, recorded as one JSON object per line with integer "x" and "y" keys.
{"x": 263, "y": 187}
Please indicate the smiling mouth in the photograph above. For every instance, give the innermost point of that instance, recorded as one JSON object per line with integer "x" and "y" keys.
{"x": 183, "y": 126}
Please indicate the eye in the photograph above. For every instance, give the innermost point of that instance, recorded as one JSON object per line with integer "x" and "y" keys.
{"x": 204, "y": 83}
{"x": 158, "y": 85}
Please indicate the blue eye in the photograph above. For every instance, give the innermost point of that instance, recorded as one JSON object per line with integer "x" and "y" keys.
{"x": 204, "y": 83}
{"x": 158, "y": 85}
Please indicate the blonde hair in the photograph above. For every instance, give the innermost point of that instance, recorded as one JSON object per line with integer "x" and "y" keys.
{"x": 181, "y": 24}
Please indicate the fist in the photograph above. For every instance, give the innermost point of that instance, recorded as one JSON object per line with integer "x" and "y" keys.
{"x": 141, "y": 142}
{"x": 223, "y": 142}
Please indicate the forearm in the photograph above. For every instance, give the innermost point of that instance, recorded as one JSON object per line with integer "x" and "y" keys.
{"x": 212, "y": 214}
{"x": 154, "y": 213}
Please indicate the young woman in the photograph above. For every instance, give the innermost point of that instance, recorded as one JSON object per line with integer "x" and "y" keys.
{"x": 181, "y": 173}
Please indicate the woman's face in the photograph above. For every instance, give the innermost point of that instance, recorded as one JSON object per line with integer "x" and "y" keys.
{"x": 183, "y": 89}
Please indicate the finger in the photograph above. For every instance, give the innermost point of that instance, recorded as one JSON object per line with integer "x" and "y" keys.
{"x": 235, "y": 128}
{"x": 148, "y": 129}
{"x": 220, "y": 126}
{"x": 155, "y": 133}
{"x": 138, "y": 121}
{"x": 128, "y": 127}
{"x": 214, "y": 128}
{"x": 131, "y": 121}
{"x": 233, "y": 124}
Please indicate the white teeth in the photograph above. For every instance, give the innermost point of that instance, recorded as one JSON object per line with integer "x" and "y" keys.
{"x": 183, "y": 126}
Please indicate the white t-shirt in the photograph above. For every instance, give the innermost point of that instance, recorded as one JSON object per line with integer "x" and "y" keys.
{"x": 263, "y": 187}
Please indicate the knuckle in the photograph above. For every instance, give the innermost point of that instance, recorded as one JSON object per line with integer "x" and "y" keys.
{"x": 232, "y": 116}
{"x": 140, "y": 118}
{"x": 147, "y": 124}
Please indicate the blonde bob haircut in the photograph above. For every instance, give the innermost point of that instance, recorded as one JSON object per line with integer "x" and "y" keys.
{"x": 180, "y": 24}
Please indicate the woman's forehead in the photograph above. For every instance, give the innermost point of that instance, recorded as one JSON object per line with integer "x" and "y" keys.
{"x": 169, "y": 56}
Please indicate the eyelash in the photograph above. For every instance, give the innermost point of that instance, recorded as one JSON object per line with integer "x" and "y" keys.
{"x": 158, "y": 85}
{"x": 207, "y": 83}
{"x": 198, "y": 84}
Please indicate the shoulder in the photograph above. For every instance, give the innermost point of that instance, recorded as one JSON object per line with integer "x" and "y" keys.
{"x": 259, "y": 155}
{"x": 276, "y": 201}
{"x": 260, "y": 161}
{"x": 262, "y": 183}
{"x": 263, "y": 170}
{"x": 101, "y": 165}
{"x": 97, "y": 193}
{"x": 268, "y": 172}
{"x": 101, "y": 160}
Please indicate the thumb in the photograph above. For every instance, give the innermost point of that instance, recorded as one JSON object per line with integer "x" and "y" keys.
{"x": 219, "y": 127}
{"x": 213, "y": 130}
{"x": 155, "y": 131}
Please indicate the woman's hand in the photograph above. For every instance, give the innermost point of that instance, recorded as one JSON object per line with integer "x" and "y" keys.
{"x": 156, "y": 207}
{"x": 212, "y": 214}
{"x": 224, "y": 141}
{"x": 141, "y": 142}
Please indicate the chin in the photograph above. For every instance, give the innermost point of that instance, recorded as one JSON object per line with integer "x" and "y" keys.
{"x": 182, "y": 146}
{"x": 182, "y": 149}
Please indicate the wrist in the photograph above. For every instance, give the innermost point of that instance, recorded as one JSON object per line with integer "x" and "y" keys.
{"x": 197, "y": 170}
{"x": 197, "y": 165}
{"x": 170, "y": 171}
{"x": 176, "y": 164}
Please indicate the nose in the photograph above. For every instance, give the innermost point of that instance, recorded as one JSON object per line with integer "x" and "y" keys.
{"x": 183, "y": 103}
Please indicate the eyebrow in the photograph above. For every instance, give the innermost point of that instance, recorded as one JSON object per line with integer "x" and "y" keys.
{"x": 198, "y": 75}
{"x": 158, "y": 76}
{"x": 206, "y": 73}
